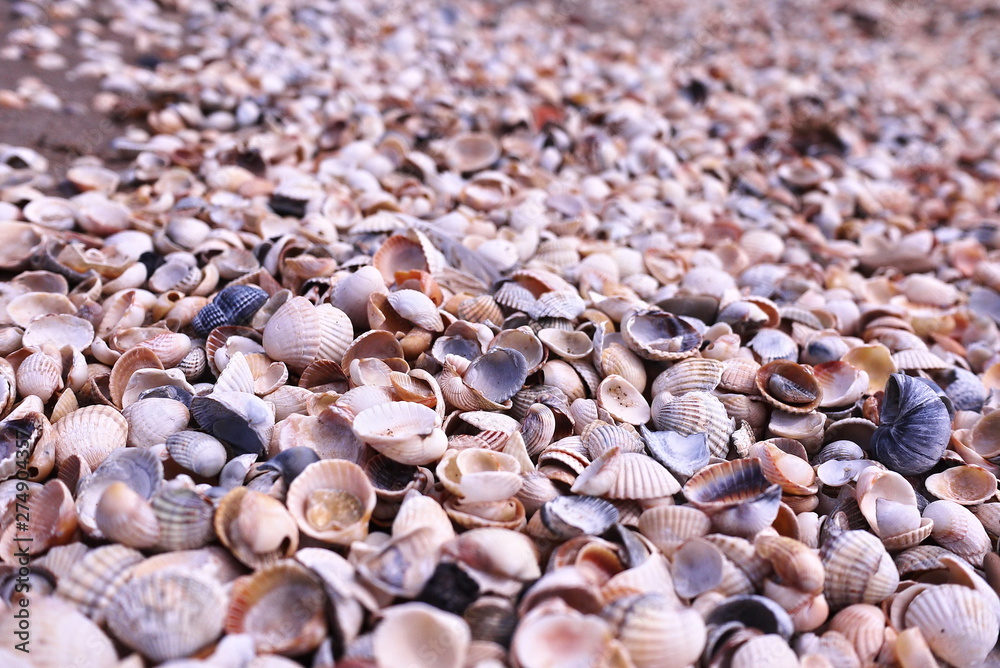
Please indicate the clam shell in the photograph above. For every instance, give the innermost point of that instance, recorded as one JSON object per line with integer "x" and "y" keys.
{"x": 400, "y": 638}
{"x": 403, "y": 431}
{"x": 241, "y": 420}
{"x": 96, "y": 577}
{"x": 626, "y": 475}
{"x": 959, "y": 623}
{"x": 740, "y": 500}
{"x": 789, "y": 386}
{"x": 233, "y": 305}
{"x": 622, "y": 400}
{"x": 965, "y": 485}
{"x": 864, "y": 626}
{"x": 332, "y": 501}
{"x": 584, "y": 639}
{"x": 39, "y": 375}
{"x": 255, "y": 527}
{"x": 417, "y": 308}
{"x": 185, "y": 518}
{"x": 91, "y": 432}
{"x": 478, "y": 475}
{"x": 285, "y": 586}
{"x": 57, "y": 619}
{"x": 690, "y": 375}
{"x": 693, "y": 413}
{"x": 199, "y": 453}
{"x": 350, "y": 294}
{"x": 567, "y": 345}
{"x": 840, "y": 383}
{"x": 657, "y": 335}
{"x": 568, "y": 516}
{"x": 656, "y": 632}
{"x": 669, "y": 526}
{"x": 300, "y": 333}
{"x": 125, "y": 517}
{"x": 958, "y": 530}
{"x": 858, "y": 569}
{"x": 152, "y": 421}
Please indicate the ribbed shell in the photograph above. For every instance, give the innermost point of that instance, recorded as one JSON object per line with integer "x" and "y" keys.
{"x": 958, "y": 622}
{"x": 914, "y": 426}
{"x": 92, "y": 432}
{"x": 858, "y": 569}
{"x": 692, "y": 413}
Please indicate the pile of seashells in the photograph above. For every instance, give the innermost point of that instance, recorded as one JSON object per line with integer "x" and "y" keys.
{"x": 355, "y": 366}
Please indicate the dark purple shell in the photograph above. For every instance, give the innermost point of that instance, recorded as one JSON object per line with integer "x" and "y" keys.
{"x": 914, "y": 426}
{"x": 234, "y": 305}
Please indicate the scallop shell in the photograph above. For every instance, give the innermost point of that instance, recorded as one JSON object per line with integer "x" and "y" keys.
{"x": 185, "y": 518}
{"x": 693, "y": 413}
{"x": 959, "y": 623}
{"x": 332, "y": 501}
{"x": 96, "y": 577}
{"x": 300, "y": 333}
{"x": 690, "y": 375}
{"x": 658, "y": 633}
{"x": 91, "y": 432}
{"x": 626, "y": 475}
{"x": 958, "y": 530}
{"x": 152, "y": 421}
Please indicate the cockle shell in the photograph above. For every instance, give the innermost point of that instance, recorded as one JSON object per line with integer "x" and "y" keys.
{"x": 478, "y": 475}
{"x": 400, "y": 639}
{"x": 300, "y": 333}
{"x": 332, "y": 501}
{"x": 658, "y": 335}
{"x": 959, "y": 623}
{"x": 858, "y": 569}
{"x": 789, "y": 386}
{"x": 199, "y": 453}
{"x": 736, "y": 495}
{"x": 403, "y": 431}
{"x": 92, "y": 432}
{"x": 256, "y": 528}
{"x": 694, "y": 412}
{"x": 657, "y": 632}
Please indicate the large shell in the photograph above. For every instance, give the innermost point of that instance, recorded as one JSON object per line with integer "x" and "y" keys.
{"x": 167, "y": 615}
{"x": 914, "y": 426}
{"x": 958, "y": 530}
{"x": 332, "y": 501}
{"x": 657, "y": 633}
{"x": 959, "y": 622}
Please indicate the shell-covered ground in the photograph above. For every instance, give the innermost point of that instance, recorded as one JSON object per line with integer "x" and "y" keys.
{"x": 564, "y": 334}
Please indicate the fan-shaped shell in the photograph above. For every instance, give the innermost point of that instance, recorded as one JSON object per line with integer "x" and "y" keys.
{"x": 858, "y": 569}
{"x": 959, "y": 623}
{"x": 167, "y": 615}
{"x": 740, "y": 500}
{"x": 693, "y": 413}
{"x": 403, "y": 431}
{"x": 400, "y": 639}
{"x": 197, "y": 452}
{"x": 658, "y": 633}
{"x": 91, "y": 432}
{"x": 965, "y": 485}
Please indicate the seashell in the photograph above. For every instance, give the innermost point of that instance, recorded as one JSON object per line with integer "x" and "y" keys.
{"x": 199, "y": 453}
{"x": 622, "y": 400}
{"x": 56, "y": 618}
{"x": 152, "y": 421}
{"x": 233, "y": 305}
{"x": 242, "y": 421}
{"x": 351, "y": 293}
{"x": 572, "y": 345}
{"x": 39, "y": 375}
{"x": 478, "y": 475}
{"x": 23, "y": 309}
{"x": 690, "y": 375}
{"x": 185, "y": 518}
{"x": 656, "y": 632}
{"x": 769, "y": 649}
{"x": 506, "y": 514}
{"x": 53, "y": 521}
{"x": 959, "y": 623}
{"x": 858, "y": 569}
{"x": 400, "y": 638}
{"x": 583, "y": 639}
{"x": 739, "y": 375}
{"x": 300, "y": 333}
{"x": 957, "y": 529}
{"x": 625, "y": 475}
{"x": 497, "y": 375}
{"x": 482, "y": 309}
{"x": 840, "y": 383}
{"x": 789, "y": 386}
{"x": 255, "y": 527}
{"x": 807, "y": 428}
{"x": 58, "y": 330}
{"x": 332, "y": 501}
{"x": 864, "y": 626}
{"x": 797, "y": 565}
{"x": 736, "y": 495}
{"x": 875, "y": 360}
{"x": 693, "y": 413}
{"x": 773, "y": 344}
{"x": 95, "y": 578}
{"x": 403, "y": 431}
{"x": 125, "y": 517}
{"x": 616, "y": 359}
{"x": 696, "y": 567}
{"x": 417, "y": 308}
{"x": 965, "y": 485}
{"x": 287, "y": 586}
{"x": 985, "y": 436}
{"x": 523, "y": 341}
{"x": 792, "y": 472}
{"x": 914, "y": 426}
{"x": 91, "y": 432}
{"x": 657, "y": 335}
{"x": 167, "y": 615}
{"x": 472, "y": 152}
{"x": 669, "y": 526}
{"x": 568, "y": 516}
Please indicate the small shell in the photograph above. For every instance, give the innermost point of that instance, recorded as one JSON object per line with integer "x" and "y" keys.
{"x": 965, "y": 485}
{"x": 39, "y": 375}
{"x": 740, "y": 500}
{"x": 59, "y": 330}
{"x": 199, "y": 453}
{"x": 567, "y": 345}
{"x": 185, "y": 518}
{"x": 773, "y": 344}
{"x": 300, "y": 333}
{"x": 568, "y": 516}
{"x": 657, "y": 633}
{"x": 622, "y": 400}
{"x": 350, "y": 294}
{"x": 417, "y": 308}
{"x": 626, "y": 475}
{"x": 242, "y": 420}
{"x": 840, "y": 383}
{"x": 256, "y": 528}
{"x": 96, "y": 577}
{"x": 91, "y": 432}
{"x": 875, "y": 360}
{"x": 286, "y": 586}
{"x": 233, "y": 305}
{"x": 789, "y": 386}
{"x": 152, "y": 421}
{"x": 783, "y": 467}
{"x": 472, "y": 151}
{"x": 864, "y": 626}
{"x": 796, "y": 565}
{"x": 478, "y": 475}
{"x": 858, "y": 569}
{"x": 657, "y": 335}
{"x": 167, "y": 615}
{"x": 958, "y": 530}
{"x": 400, "y": 639}
{"x": 125, "y": 517}
{"x": 332, "y": 501}
{"x": 689, "y": 375}
{"x": 669, "y": 526}
{"x": 403, "y": 431}
{"x": 693, "y": 413}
